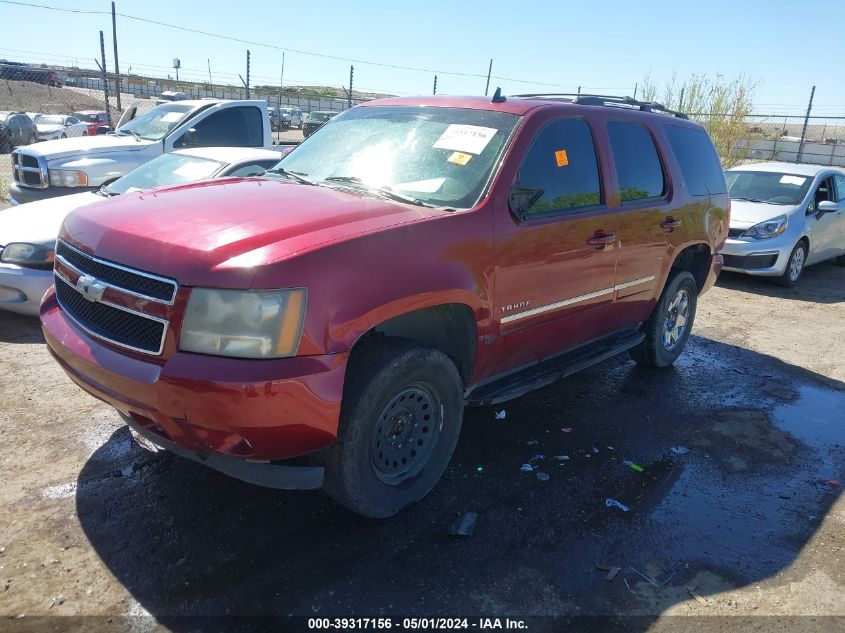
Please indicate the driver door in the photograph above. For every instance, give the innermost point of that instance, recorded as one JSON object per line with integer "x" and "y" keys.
{"x": 823, "y": 228}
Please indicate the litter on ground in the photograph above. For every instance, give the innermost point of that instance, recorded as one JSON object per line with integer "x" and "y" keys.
{"x": 464, "y": 526}
{"x": 501, "y": 415}
{"x": 543, "y": 476}
{"x": 613, "y": 503}
{"x": 679, "y": 450}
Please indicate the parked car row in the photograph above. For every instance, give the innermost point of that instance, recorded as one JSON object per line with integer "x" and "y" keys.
{"x": 24, "y": 128}
{"x": 324, "y": 323}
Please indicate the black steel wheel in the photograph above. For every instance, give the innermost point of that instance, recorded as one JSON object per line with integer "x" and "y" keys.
{"x": 399, "y": 423}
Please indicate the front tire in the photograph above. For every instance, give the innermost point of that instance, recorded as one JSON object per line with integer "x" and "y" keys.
{"x": 794, "y": 266}
{"x": 399, "y": 423}
{"x": 668, "y": 328}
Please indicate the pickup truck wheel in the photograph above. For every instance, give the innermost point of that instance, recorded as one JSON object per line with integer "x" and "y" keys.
{"x": 399, "y": 424}
{"x": 668, "y": 328}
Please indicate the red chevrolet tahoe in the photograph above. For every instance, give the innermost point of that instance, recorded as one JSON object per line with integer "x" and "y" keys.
{"x": 326, "y": 324}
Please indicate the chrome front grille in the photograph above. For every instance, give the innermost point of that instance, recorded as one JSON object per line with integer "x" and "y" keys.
{"x": 113, "y": 302}
{"x": 29, "y": 171}
{"x": 140, "y": 284}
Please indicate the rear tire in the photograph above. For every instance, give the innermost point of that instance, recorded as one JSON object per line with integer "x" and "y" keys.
{"x": 399, "y": 423}
{"x": 668, "y": 328}
{"x": 794, "y": 266}
{"x": 840, "y": 261}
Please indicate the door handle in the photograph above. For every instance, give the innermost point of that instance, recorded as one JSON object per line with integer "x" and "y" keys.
{"x": 601, "y": 239}
{"x": 670, "y": 223}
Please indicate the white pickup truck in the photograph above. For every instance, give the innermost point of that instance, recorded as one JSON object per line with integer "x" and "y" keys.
{"x": 65, "y": 166}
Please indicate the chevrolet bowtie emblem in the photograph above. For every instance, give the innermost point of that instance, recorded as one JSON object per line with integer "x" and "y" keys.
{"x": 90, "y": 287}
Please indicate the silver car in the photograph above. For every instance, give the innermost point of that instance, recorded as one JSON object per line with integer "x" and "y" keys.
{"x": 784, "y": 217}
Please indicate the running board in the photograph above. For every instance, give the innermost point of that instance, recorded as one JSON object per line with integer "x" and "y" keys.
{"x": 547, "y": 371}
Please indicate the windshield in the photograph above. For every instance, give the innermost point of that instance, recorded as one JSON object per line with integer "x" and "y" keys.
{"x": 320, "y": 117}
{"x": 439, "y": 156}
{"x": 155, "y": 124}
{"x": 771, "y": 187}
{"x": 91, "y": 118}
{"x": 46, "y": 119}
{"x": 167, "y": 169}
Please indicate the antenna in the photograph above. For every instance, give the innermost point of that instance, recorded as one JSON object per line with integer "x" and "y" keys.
{"x": 498, "y": 97}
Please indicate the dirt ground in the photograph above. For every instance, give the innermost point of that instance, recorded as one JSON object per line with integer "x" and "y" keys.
{"x": 737, "y": 513}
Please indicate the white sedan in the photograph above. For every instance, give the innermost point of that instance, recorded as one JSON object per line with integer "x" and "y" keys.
{"x": 28, "y": 232}
{"x": 53, "y": 126}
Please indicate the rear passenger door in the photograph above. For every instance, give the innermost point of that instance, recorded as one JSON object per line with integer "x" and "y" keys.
{"x": 644, "y": 212}
{"x": 555, "y": 248}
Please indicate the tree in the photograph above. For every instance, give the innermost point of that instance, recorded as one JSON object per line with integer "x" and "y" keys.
{"x": 721, "y": 105}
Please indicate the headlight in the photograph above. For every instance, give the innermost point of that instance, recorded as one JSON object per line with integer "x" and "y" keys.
{"x": 68, "y": 178}
{"x": 767, "y": 229}
{"x": 244, "y": 323}
{"x": 28, "y": 255}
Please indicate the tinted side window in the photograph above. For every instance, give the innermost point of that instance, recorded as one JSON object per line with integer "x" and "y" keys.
{"x": 638, "y": 166}
{"x": 561, "y": 167}
{"x": 695, "y": 153}
{"x": 232, "y": 127}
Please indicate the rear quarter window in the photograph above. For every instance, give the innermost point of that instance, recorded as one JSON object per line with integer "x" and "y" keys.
{"x": 697, "y": 157}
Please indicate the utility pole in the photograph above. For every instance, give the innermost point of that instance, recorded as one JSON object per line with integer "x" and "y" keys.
{"x": 247, "y": 74}
{"x": 116, "y": 63}
{"x": 210, "y": 83}
{"x": 434, "y": 92}
{"x": 281, "y": 79}
{"x": 806, "y": 121}
{"x": 102, "y": 65}
{"x": 349, "y": 96}
{"x": 489, "y": 71}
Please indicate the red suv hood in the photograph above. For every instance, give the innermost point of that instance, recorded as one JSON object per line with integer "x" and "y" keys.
{"x": 217, "y": 233}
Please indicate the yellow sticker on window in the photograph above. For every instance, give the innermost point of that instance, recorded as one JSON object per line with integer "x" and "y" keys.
{"x": 459, "y": 158}
{"x": 561, "y": 158}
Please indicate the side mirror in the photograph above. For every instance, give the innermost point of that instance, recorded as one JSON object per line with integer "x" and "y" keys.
{"x": 826, "y": 206}
{"x": 520, "y": 199}
{"x": 188, "y": 139}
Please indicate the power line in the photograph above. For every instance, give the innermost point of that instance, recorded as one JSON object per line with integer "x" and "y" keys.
{"x": 291, "y": 50}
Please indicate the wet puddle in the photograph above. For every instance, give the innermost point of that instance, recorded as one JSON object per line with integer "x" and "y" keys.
{"x": 816, "y": 417}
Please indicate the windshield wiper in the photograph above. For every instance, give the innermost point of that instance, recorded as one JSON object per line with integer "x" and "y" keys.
{"x": 385, "y": 190}
{"x": 104, "y": 191}
{"x": 133, "y": 133}
{"x": 298, "y": 176}
{"x": 746, "y": 199}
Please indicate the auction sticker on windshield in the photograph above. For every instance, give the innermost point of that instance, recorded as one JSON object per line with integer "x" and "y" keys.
{"x": 465, "y": 138}
{"x": 792, "y": 180}
{"x": 172, "y": 116}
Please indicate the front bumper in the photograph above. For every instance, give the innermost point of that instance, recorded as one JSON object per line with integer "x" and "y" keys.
{"x": 21, "y": 289}
{"x": 757, "y": 257}
{"x": 219, "y": 410}
{"x": 21, "y": 195}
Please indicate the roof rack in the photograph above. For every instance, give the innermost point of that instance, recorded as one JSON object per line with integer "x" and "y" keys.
{"x": 605, "y": 100}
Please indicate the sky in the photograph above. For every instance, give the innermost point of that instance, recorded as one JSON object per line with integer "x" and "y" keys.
{"x": 602, "y": 46}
